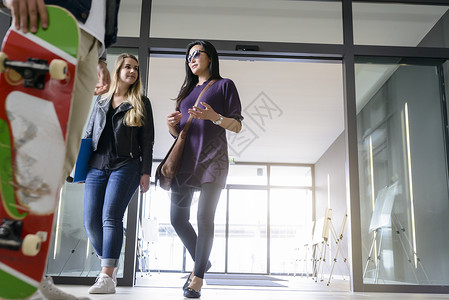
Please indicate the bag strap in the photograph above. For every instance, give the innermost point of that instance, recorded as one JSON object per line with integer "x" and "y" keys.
{"x": 189, "y": 121}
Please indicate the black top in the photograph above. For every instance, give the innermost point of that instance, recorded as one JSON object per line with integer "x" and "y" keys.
{"x": 106, "y": 155}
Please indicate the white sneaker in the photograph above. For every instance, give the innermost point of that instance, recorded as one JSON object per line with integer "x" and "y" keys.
{"x": 48, "y": 290}
{"x": 103, "y": 285}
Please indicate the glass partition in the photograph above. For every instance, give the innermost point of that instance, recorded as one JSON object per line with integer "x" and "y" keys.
{"x": 70, "y": 253}
{"x": 389, "y": 24}
{"x": 403, "y": 167}
{"x": 129, "y": 18}
{"x": 247, "y": 211}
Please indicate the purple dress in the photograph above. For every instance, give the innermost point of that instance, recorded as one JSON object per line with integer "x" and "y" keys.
{"x": 205, "y": 156}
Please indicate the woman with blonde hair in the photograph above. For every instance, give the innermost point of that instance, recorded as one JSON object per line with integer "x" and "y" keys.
{"x": 122, "y": 131}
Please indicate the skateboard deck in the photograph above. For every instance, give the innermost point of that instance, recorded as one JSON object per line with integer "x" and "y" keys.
{"x": 37, "y": 74}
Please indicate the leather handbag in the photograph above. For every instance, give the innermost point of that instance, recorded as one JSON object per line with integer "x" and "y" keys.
{"x": 169, "y": 166}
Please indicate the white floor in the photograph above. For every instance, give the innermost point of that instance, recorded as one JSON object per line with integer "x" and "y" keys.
{"x": 167, "y": 286}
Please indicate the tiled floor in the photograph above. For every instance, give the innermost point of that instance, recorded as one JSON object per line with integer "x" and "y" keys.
{"x": 167, "y": 286}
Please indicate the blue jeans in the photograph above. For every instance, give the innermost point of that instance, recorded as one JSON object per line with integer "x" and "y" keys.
{"x": 106, "y": 195}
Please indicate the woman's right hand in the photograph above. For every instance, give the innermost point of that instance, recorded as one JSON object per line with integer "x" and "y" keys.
{"x": 173, "y": 119}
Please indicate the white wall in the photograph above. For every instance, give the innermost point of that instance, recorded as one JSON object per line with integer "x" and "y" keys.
{"x": 330, "y": 191}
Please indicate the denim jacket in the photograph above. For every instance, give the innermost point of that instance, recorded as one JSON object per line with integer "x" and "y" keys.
{"x": 130, "y": 141}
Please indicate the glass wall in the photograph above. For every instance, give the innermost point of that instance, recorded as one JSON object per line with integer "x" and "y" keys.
{"x": 402, "y": 146}
{"x": 258, "y": 226}
{"x": 400, "y": 24}
{"x": 70, "y": 253}
{"x": 129, "y": 18}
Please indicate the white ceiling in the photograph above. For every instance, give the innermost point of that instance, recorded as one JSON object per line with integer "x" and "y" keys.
{"x": 306, "y": 99}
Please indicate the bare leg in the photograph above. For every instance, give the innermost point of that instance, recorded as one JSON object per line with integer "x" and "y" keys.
{"x": 108, "y": 271}
{"x": 196, "y": 284}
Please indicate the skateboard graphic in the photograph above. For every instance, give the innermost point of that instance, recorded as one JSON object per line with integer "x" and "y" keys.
{"x": 37, "y": 74}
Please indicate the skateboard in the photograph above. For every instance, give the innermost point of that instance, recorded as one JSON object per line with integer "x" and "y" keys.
{"x": 37, "y": 74}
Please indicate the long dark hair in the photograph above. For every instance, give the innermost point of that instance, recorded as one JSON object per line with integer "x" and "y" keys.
{"x": 191, "y": 79}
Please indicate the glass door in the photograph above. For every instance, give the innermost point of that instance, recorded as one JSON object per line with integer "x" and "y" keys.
{"x": 247, "y": 247}
{"x": 403, "y": 167}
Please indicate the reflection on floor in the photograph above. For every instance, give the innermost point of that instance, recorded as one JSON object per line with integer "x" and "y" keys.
{"x": 244, "y": 280}
{"x": 167, "y": 286}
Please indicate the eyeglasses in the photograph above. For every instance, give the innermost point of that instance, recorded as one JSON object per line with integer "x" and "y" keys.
{"x": 195, "y": 55}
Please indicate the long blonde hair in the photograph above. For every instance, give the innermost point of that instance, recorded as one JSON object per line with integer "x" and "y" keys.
{"x": 136, "y": 115}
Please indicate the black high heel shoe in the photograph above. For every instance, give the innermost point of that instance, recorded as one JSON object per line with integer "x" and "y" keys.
{"x": 189, "y": 280}
{"x": 191, "y": 293}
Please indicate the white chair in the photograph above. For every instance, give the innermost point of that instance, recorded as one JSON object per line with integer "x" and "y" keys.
{"x": 309, "y": 250}
{"x": 150, "y": 236}
{"x": 302, "y": 253}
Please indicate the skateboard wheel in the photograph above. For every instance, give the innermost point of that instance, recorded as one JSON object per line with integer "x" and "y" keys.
{"x": 3, "y": 58}
{"x": 31, "y": 245}
{"x": 58, "y": 69}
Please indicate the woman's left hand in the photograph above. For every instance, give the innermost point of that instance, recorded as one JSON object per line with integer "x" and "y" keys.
{"x": 206, "y": 113}
{"x": 144, "y": 183}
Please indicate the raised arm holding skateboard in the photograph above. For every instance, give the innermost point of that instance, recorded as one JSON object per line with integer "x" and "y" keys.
{"x": 25, "y": 123}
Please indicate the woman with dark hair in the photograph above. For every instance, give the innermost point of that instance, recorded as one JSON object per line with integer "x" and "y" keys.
{"x": 122, "y": 132}
{"x": 204, "y": 166}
